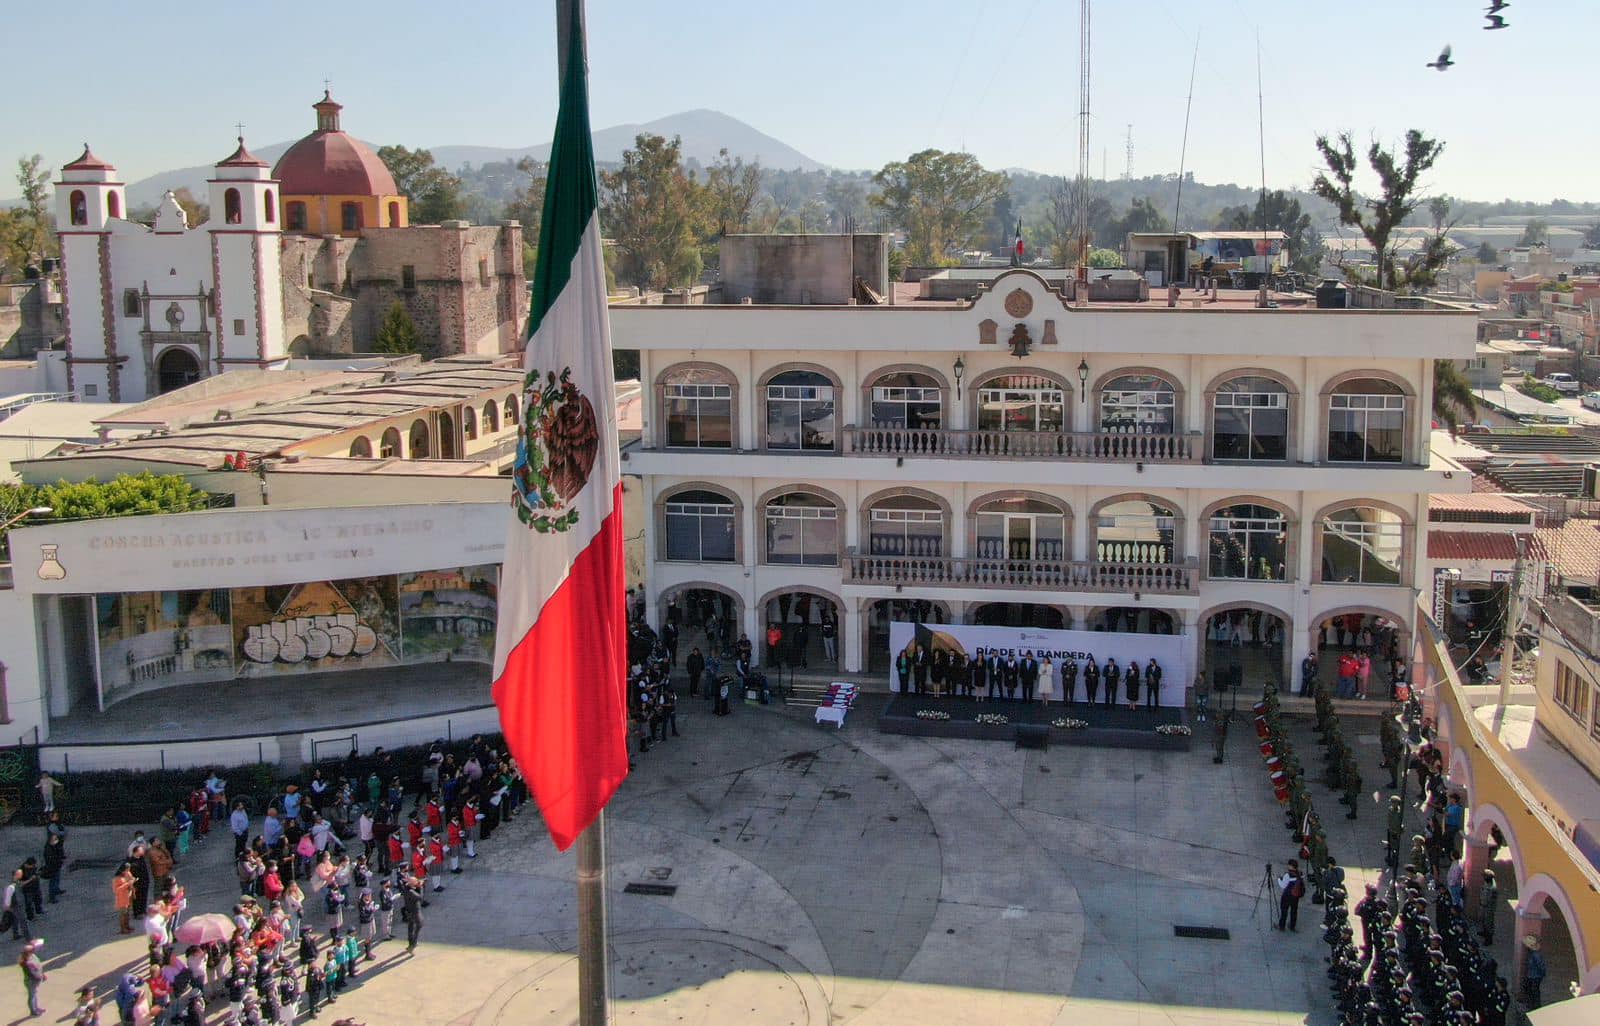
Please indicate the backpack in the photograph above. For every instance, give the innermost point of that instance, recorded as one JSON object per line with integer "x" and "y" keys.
{"x": 1297, "y": 888}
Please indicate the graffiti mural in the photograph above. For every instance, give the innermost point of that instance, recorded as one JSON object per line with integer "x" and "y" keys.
{"x": 155, "y": 639}
{"x": 321, "y": 625}
{"x": 449, "y": 615}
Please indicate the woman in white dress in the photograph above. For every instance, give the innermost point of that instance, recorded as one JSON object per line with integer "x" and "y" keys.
{"x": 1047, "y": 680}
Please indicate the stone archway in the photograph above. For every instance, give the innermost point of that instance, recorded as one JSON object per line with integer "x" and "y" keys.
{"x": 1358, "y": 630}
{"x": 708, "y": 615}
{"x": 877, "y": 614}
{"x": 175, "y": 368}
{"x": 800, "y": 612}
{"x": 1245, "y": 644}
{"x": 1561, "y": 943}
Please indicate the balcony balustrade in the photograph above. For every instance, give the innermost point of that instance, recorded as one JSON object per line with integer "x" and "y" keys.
{"x": 1026, "y": 574}
{"x": 1096, "y": 446}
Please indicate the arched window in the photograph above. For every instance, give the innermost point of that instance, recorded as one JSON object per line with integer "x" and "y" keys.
{"x": 1367, "y": 422}
{"x": 1248, "y": 543}
{"x": 697, "y": 408}
{"x": 469, "y": 423}
{"x": 1362, "y": 545}
{"x": 269, "y": 207}
{"x": 1136, "y": 531}
{"x": 417, "y": 440}
{"x": 491, "y": 417}
{"x": 1143, "y": 404}
{"x": 905, "y": 525}
{"x": 1021, "y": 528}
{"x": 1022, "y": 402}
{"x": 700, "y": 527}
{"x": 1250, "y": 420}
{"x": 907, "y": 399}
{"x": 295, "y": 216}
{"x": 394, "y": 214}
{"x": 78, "y": 207}
{"x": 802, "y": 530}
{"x": 231, "y": 211}
{"x": 511, "y": 410}
{"x": 350, "y": 217}
{"x": 113, "y": 205}
{"x": 361, "y": 448}
{"x": 800, "y": 411}
{"x": 389, "y": 445}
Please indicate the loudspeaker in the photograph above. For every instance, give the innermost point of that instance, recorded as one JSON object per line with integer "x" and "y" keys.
{"x": 1032, "y": 735}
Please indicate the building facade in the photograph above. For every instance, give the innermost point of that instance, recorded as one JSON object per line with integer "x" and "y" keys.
{"x": 1227, "y": 473}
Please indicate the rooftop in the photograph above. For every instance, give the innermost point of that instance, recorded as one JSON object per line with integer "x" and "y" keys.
{"x": 1572, "y": 548}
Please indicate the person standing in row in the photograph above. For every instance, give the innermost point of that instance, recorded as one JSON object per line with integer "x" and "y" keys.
{"x": 1202, "y": 696}
{"x": 1091, "y": 680}
{"x": 1113, "y": 678}
{"x": 1047, "y": 681}
{"x": 1152, "y": 685}
{"x": 1130, "y": 683}
{"x": 1028, "y": 674}
{"x": 1069, "y": 680}
{"x": 696, "y": 666}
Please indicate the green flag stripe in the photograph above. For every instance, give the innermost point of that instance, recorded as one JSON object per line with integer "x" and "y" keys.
{"x": 571, "y": 195}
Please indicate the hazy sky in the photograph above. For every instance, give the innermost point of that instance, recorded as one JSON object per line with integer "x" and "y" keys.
{"x": 155, "y": 85}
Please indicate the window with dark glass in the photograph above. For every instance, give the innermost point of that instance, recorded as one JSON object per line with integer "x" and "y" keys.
{"x": 700, "y": 528}
{"x": 800, "y": 411}
{"x": 699, "y": 414}
{"x": 803, "y": 530}
{"x": 1367, "y": 422}
{"x": 1247, "y": 543}
{"x": 1361, "y": 545}
{"x": 1143, "y": 404}
{"x": 1021, "y": 402}
{"x": 907, "y": 400}
{"x": 1136, "y": 531}
{"x": 350, "y": 217}
{"x": 295, "y": 216}
{"x": 1250, "y": 421}
{"x": 1021, "y": 529}
{"x": 906, "y": 526}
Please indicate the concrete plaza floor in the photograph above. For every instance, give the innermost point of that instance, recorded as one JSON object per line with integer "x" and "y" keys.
{"x": 843, "y": 877}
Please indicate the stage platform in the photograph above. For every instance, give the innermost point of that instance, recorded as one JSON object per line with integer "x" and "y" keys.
{"x": 1108, "y": 726}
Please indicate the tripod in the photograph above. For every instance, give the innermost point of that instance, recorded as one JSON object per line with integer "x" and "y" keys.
{"x": 1266, "y": 887}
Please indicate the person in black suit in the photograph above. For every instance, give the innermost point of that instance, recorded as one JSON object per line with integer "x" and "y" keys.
{"x": 1131, "y": 683}
{"x": 1113, "y": 677}
{"x": 1013, "y": 673}
{"x": 939, "y": 671}
{"x": 1069, "y": 679}
{"x": 1152, "y": 685}
{"x": 919, "y": 669}
{"x": 960, "y": 675}
{"x": 979, "y": 673}
{"x": 1091, "y": 680}
{"x": 696, "y": 666}
{"x": 1029, "y": 672}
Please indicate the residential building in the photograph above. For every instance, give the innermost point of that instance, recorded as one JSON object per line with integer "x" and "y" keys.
{"x": 1022, "y": 453}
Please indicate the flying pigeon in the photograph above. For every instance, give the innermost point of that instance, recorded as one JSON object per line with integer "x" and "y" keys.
{"x": 1443, "y": 62}
{"x": 1496, "y": 6}
{"x": 1496, "y": 22}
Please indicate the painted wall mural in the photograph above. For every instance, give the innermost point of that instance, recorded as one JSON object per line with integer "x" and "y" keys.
{"x": 449, "y": 615}
{"x": 317, "y": 626}
{"x": 155, "y": 639}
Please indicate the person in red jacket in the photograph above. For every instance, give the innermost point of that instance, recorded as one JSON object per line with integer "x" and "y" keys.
{"x": 436, "y": 861}
{"x": 453, "y": 845}
{"x": 435, "y": 815}
{"x": 419, "y": 862}
{"x": 469, "y": 826}
{"x": 397, "y": 854}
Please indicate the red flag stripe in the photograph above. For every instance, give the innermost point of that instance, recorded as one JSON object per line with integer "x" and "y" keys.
{"x": 565, "y": 687}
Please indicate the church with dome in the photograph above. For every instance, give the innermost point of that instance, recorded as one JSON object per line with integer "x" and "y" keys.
{"x": 298, "y": 261}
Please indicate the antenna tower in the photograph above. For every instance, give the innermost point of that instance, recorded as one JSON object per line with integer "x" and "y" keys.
{"x": 1127, "y": 171}
{"x": 1083, "y": 132}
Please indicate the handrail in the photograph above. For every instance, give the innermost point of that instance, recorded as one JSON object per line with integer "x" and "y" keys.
{"x": 1045, "y": 574}
{"x": 996, "y": 444}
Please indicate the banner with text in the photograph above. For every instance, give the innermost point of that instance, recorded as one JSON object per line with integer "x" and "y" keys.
{"x": 1171, "y": 653}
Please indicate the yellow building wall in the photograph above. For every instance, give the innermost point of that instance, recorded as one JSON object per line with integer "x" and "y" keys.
{"x": 323, "y": 213}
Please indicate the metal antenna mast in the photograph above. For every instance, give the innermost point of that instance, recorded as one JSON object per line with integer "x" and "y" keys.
{"x": 1083, "y": 132}
{"x": 1127, "y": 171}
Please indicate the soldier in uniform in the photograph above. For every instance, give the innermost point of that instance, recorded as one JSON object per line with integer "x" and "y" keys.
{"x": 1352, "y": 784}
{"x": 1396, "y": 826}
{"x": 1317, "y": 844}
{"x": 1393, "y": 750}
{"x": 1069, "y": 681}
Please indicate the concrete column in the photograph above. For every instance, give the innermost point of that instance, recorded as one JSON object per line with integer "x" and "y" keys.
{"x": 1475, "y": 862}
{"x": 647, "y": 401}
{"x": 850, "y": 636}
{"x": 1529, "y": 922}
{"x": 757, "y": 632}
{"x": 59, "y": 698}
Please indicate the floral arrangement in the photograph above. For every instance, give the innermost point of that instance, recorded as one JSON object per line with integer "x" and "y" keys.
{"x": 993, "y": 719}
{"x": 1174, "y": 730}
{"x": 932, "y": 714}
{"x": 1066, "y": 723}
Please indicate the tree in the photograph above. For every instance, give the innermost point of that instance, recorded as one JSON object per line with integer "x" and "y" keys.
{"x": 938, "y": 199}
{"x": 527, "y": 206}
{"x": 1066, "y": 200}
{"x": 193, "y": 210}
{"x": 1105, "y": 258}
{"x": 1439, "y": 212}
{"x": 731, "y": 188}
{"x": 397, "y": 335}
{"x": 433, "y": 194}
{"x": 1487, "y": 254}
{"x": 1535, "y": 233}
{"x": 1376, "y": 219}
{"x": 124, "y": 495}
{"x": 847, "y": 202}
{"x": 654, "y": 212}
{"x": 1591, "y": 236}
{"x": 1452, "y": 395}
{"x": 1278, "y": 211}
{"x": 1142, "y": 216}
{"x": 999, "y": 232}
{"x": 25, "y": 231}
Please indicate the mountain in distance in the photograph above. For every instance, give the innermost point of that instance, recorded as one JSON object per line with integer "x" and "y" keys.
{"x": 704, "y": 133}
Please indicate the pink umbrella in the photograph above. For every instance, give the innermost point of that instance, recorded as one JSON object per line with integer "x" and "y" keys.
{"x": 206, "y": 928}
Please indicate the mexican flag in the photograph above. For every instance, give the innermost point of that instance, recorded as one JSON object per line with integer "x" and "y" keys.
{"x": 560, "y": 665}
{"x": 1017, "y": 249}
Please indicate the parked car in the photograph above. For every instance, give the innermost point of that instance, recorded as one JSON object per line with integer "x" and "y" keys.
{"x": 1590, "y": 400}
{"x": 1562, "y": 382}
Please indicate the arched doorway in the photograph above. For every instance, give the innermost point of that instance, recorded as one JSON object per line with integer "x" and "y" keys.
{"x": 1019, "y": 614}
{"x": 447, "y": 437}
{"x": 809, "y": 621}
{"x": 708, "y": 617}
{"x": 176, "y": 368}
{"x": 1373, "y": 633}
{"x": 1132, "y": 620}
{"x": 880, "y": 614}
{"x": 1244, "y": 645}
{"x": 417, "y": 440}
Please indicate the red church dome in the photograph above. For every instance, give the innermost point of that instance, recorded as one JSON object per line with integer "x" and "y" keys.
{"x": 329, "y": 162}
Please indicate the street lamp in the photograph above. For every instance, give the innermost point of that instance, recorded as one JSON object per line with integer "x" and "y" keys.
{"x": 37, "y": 511}
{"x": 1083, "y": 381}
{"x": 960, "y": 368}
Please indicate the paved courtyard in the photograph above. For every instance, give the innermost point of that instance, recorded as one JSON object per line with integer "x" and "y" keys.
{"x": 841, "y": 877}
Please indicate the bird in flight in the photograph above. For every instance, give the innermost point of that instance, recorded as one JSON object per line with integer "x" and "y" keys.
{"x": 1496, "y": 6}
{"x": 1443, "y": 62}
{"x": 1495, "y": 22}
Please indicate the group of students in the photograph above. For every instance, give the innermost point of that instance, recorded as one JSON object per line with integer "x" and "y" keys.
{"x": 1003, "y": 675}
